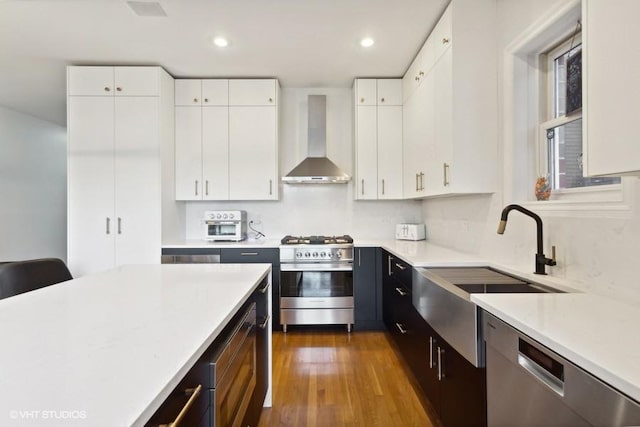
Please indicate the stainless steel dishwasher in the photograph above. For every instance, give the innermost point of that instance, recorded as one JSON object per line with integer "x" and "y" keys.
{"x": 529, "y": 385}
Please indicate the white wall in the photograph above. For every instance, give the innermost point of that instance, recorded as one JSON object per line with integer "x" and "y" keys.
{"x": 33, "y": 200}
{"x": 597, "y": 253}
{"x": 317, "y": 208}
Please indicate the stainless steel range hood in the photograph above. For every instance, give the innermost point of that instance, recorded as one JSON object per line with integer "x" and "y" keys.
{"x": 317, "y": 168}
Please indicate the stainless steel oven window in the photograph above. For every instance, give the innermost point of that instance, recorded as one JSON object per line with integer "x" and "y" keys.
{"x": 316, "y": 284}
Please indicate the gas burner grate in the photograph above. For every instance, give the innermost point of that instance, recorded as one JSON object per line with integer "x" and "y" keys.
{"x": 316, "y": 240}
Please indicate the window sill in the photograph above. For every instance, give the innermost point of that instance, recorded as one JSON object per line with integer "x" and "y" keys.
{"x": 609, "y": 201}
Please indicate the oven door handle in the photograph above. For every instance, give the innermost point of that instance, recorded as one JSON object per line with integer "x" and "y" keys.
{"x": 316, "y": 267}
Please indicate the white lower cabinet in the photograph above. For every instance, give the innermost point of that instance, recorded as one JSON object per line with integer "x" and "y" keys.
{"x": 227, "y": 152}
{"x": 115, "y": 149}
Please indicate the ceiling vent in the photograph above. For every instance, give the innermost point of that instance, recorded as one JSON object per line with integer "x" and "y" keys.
{"x": 147, "y": 8}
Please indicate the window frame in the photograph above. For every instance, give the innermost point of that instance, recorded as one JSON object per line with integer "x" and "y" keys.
{"x": 524, "y": 108}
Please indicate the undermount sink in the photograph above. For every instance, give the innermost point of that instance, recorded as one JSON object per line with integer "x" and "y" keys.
{"x": 504, "y": 288}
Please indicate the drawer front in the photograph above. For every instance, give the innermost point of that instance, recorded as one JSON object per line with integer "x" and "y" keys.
{"x": 182, "y": 399}
{"x": 402, "y": 272}
{"x": 250, "y": 255}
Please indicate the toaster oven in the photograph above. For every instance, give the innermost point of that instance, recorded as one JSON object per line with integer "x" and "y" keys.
{"x": 228, "y": 226}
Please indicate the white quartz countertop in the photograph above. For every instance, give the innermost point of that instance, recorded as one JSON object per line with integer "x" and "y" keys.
{"x": 596, "y": 333}
{"x": 107, "y": 349}
{"x": 201, "y": 243}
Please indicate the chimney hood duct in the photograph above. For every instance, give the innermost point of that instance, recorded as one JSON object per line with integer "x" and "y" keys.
{"x": 317, "y": 168}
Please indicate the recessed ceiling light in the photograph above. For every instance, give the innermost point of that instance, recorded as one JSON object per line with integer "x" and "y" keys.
{"x": 220, "y": 42}
{"x": 366, "y": 42}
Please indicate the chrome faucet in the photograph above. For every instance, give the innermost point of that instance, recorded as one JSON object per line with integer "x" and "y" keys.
{"x": 541, "y": 259}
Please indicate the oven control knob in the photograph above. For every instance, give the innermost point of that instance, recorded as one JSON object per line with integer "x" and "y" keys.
{"x": 330, "y": 254}
{"x": 338, "y": 254}
{"x": 307, "y": 254}
{"x": 299, "y": 254}
{"x": 218, "y": 216}
{"x": 230, "y": 216}
{"x": 315, "y": 254}
{"x": 224, "y": 216}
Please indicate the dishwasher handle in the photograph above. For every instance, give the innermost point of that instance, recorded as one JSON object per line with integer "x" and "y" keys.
{"x": 540, "y": 365}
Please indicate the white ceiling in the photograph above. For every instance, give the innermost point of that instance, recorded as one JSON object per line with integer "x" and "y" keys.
{"x": 303, "y": 43}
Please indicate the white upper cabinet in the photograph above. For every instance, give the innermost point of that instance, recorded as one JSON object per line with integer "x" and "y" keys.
{"x": 366, "y": 92}
{"x": 451, "y": 131}
{"x": 419, "y": 68}
{"x": 113, "y": 81}
{"x": 188, "y": 92}
{"x": 378, "y": 139}
{"x": 611, "y": 68}
{"x": 215, "y": 92}
{"x": 224, "y": 151}
{"x": 195, "y": 92}
{"x": 389, "y": 91}
{"x": 253, "y": 92}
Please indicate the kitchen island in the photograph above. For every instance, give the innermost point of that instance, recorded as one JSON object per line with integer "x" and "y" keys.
{"x": 107, "y": 349}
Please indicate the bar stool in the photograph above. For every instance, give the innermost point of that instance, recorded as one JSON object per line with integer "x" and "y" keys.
{"x": 24, "y": 276}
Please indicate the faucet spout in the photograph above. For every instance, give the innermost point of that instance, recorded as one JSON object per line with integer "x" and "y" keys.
{"x": 541, "y": 259}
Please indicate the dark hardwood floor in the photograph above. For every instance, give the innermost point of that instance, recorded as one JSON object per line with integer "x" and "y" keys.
{"x": 331, "y": 378}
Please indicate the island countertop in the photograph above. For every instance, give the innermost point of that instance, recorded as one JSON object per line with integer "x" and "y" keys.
{"x": 107, "y": 349}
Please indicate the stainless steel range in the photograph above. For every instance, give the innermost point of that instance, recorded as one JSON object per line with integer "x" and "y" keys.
{"x": 316, "y": 281}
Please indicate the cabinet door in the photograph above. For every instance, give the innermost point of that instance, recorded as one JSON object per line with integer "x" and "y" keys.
{"x": 215, "y": 153}
{"x": 610, "y": 111}
{"x": 215, "y": 92}
{"x": 188, "y": 92}
{"x": 137, "y": 81}
{"x": 441, "y": 34}
{"x": 429, "y": 380}
{"x": 90, "y": 81}
{"x": 252, "y": 92}
{"x": 90, "y": 184}
{"x": 364, "y": 287}
{"x": 390, "y": 152}
{"x": 137, "y": 181}
{"x": 388, "y": 282}
{"x": 442, "y": 149}
{"x": 417, "y": 134}
{"x": 389, "y": 91}
{"x": 366, "y": 92}
{"x": 461, "y": 382}
{"x": 188, "y": 153}
{"x": 253, "y": 153}
{"x": 366, "y": 153}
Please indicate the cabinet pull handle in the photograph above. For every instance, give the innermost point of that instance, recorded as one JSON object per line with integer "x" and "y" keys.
{"x": 421, "y": 73}
{"x": 270, "y": 99}
{"x": 206, "y": 187}
{"x": 362, "y": 187}
{"x": 389, "y": 260}
{"x": 119, "y": 89}
{"x": 383, "y": 187}
{"x": 421, "y": 181}
{"x": 445, "y": 40}
{"x": 264, "y": 324}
{"x": 263, "y": 289}
{"x": 431, "y": 341}
{"x": 361, "y": 100}
{"x": 107, "y": 89}
{"x": 359, "y": 257}
{"x": 270, "y": 187}
{"x": 445, "y": 169}
{"x": 195, "y": 99}
{"x": 196, "y": 187}
{"x": 206, "y": 100}
{"x": 400, "y": 266}
{"x": 381, "y": 99}
{"x": 119, "y": 225}
{"x": 440, "y": 369}
{"x": 108, "y": 225}
{"x": 401, "y": 292}
{"x": 401, "y": 329}
{"x": 417, "y": 189}
{"x": 248, "y": 253}
{"x": 417, "y": 78}
{"x": 194, "y": 392}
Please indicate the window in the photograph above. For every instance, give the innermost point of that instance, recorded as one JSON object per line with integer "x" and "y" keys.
{"x": 561, "y": 129}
